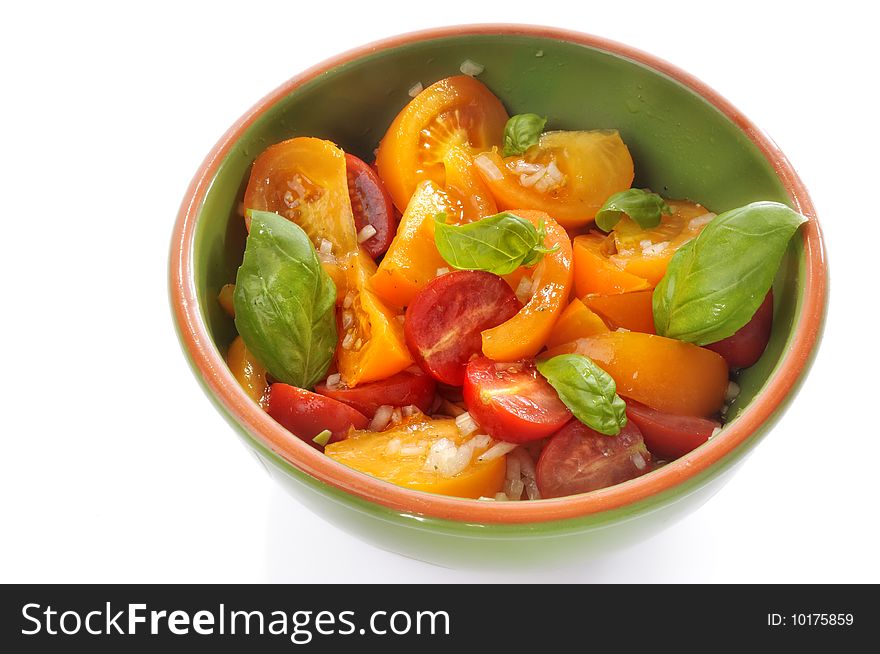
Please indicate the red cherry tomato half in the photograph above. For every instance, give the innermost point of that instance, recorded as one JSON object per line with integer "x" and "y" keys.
{"x": 512, "y": 401}
{"x": 746, "y": 346}
{"x": 306, "y": 414}
{"x": 669, "y": 436}
{"x": 578, "y": 459}
{"x": 444, "y": 321}
{"x": 403, "y": 389}
{"x": 370, "y": 204}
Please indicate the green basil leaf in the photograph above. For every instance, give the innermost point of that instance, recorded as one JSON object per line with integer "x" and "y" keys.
{"x": 522, "y": 132}
{"x": 498, "y": 244}
{"x": 285, "y": 302}
{"x": 641, "y": 205}
{"x": 715, "y": 283}
{"x": 587, "y": 390}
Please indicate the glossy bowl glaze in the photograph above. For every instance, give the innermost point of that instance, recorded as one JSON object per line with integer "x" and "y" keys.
{"x": 686, "y": 141}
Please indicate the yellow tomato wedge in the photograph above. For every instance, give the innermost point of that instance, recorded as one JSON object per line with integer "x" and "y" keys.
{"x": 645, "y": 253}
{"x": 371, "y": 342}
{"x": 304, "y": 179}
{"x": 248, "y": 372}
{"x": 568, "y": 175}
{"x": 633, "y": 311}
{"x": 524, "y": 335}
{"x": 577, "y": 321}
{"x": 666, "y": 374}
{"x": 400, "y": 455}
{"x": 413, "y": 260}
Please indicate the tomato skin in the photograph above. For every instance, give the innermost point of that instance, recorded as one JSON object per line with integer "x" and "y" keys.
{"x": 403, "y": 389}
{"x": 454, "y": 112}
{"x": 370, "y": 205}
{"x": 306, "y": 414}
{"x": 512, "y": 401}
{"x": 578, "y": 459}
{"x": 445, "y": 320}
{"x": 746, "y": 346}
{"x": 666, "y": 435}
{"x": 248, "y": 372}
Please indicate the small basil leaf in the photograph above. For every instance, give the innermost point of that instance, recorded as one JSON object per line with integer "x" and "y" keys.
{"x": 587, "y": 390}
{"x": 522, "y": 132}
{"x": 285, "y": 302}
{"x": 498, "y": 244}
{"x": 715, "y": 283}
{"x": 641, "y": 205}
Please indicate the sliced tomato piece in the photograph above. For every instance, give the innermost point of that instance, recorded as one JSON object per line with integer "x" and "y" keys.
{"x": 595, "y": 273}
{"x": 403, "y": 389}
{"x": 664, "y": 373}
{"x": 568, "y": 175}
{"x": 669, "y": 436}
{"x": 512, "y": 401}
{"x": 577, "y": 321}
{"x": 370, "y": 205}
{"x": 578, "y": 459}
{"x": 304, "y": 179}
{"x": 646, "y": 253}
{"x": 746, "y": 346}
{"x": 445, "y": 320}
{"x": 471, "y": 197}
{"x": 633, "y": 311}
{"x": 371, "y": 340}
{"x": 306, "y": 414}
{"x": 524, "y": 334}
{"x": 400, "y": 455}
{"x": 413, "y": 260}
{"x": 456, "y": 112}
{"x": 248, "y": 372}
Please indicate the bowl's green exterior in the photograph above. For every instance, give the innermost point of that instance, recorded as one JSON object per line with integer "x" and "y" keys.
{"x": 683, "y": 147}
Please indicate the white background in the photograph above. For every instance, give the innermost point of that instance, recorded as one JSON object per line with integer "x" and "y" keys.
{"x": 116, "y": 468}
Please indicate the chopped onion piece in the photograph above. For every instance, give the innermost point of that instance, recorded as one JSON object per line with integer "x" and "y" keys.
{"x": 639, "y": 461}
{"x": 655, "y": 249}
{"x": 381, "y": 418}
{"x": 699, "y": 221}
{"x": 394, "y": 446}
{"x": 413, "y": 450}
{"x": 366, "y": 233}
{"x": 347, "y": 319}
{"x": 500, "y": 497}
{"x": 481, "y": 441}
{"x": 524, "y": 289}
{"x": 333, "y": 380}
{"x": 499, "y": 449}
{"x": 466, "y": 424}
{"x": 409, "y": 410}
{"x": 441, "y": 271}
{"x": 488, "y": 166}
{"x": 732, "y": 392}
{"x": 415, "y": 89}
{"x": 471, "y": 68}
{"x": 325, "y": 246}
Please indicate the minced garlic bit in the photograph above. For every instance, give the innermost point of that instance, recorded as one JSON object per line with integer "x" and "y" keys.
{"x": 415, "y": 89}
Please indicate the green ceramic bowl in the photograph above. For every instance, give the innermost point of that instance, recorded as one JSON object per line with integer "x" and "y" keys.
{"x": 686, "y": 141}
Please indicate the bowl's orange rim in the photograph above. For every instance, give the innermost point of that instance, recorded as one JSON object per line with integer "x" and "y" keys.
{"x": 211, "y": 365}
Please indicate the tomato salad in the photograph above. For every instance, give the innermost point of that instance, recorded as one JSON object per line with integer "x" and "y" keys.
{"x": 489, "y": 310}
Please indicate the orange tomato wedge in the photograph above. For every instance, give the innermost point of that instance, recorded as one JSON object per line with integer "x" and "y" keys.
{"x": 399, "y": 455}
{"x": 633, "y": 311}
{"x": 456, "y": 112}
{"x": 666, "y": 374}
{"x": 568, "y": 175}
{"x": 371, "y": 342}
{"x": 412, "y": 259}
{"x": 471, "y": 198}
{"x": 577, "y": 321}
{"x": 595, "y": 273}
{"x": 646, "y": 253}
{"x": 525, "y": 334}
{"x": 248, "y": 372}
